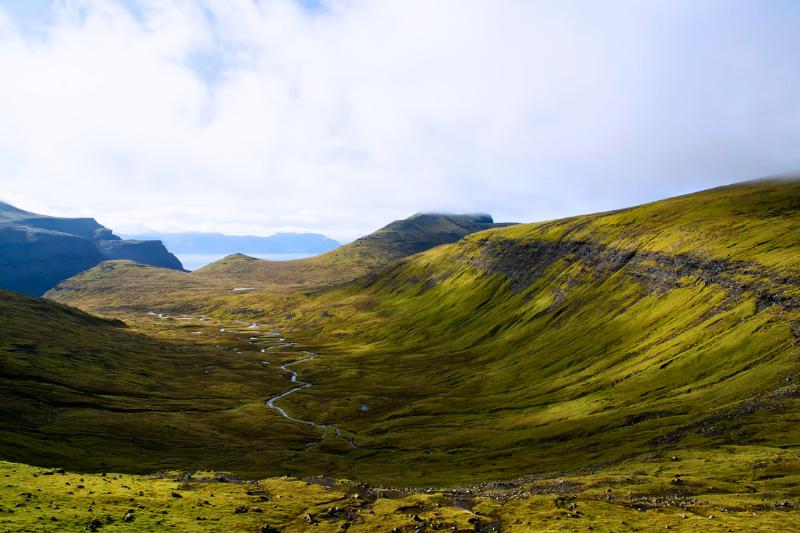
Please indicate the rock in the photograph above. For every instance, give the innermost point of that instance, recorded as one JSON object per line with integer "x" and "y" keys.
{"x": 310, "y": 519}
{"x": 176, "y": 495}
{"x": 128, "y": 517}
{"x": 240, "y": 510}
{"x": 93, "y": 525}
{"x": 266, "y": 528}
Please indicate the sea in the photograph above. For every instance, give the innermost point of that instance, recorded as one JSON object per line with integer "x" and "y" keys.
{"x": 195, "y": 261}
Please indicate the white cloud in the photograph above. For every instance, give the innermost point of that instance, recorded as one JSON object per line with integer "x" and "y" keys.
{"x": 250, "y": 117}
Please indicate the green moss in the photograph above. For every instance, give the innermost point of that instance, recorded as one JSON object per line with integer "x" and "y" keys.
{"x": 539, "y": 348}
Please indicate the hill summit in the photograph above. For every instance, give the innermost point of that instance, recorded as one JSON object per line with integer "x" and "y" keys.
{"x": 367, "y": 254}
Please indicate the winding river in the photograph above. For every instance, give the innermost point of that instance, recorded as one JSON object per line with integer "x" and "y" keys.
{"x": 258, "y": 335}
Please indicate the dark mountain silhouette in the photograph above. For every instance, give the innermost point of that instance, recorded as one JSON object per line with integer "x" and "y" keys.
{"x": 39, "y": 251}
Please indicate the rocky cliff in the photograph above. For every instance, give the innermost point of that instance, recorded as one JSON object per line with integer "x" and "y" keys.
{"x": 38, "y": 251}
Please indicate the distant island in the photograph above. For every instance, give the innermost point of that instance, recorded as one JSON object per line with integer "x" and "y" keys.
{"x": 198, "y": 249}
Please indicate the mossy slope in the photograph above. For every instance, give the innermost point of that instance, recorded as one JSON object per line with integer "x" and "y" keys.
{"x": 572, "y": 343}
{"x": 545, "y": 347}
{"x": 119, "y": 286}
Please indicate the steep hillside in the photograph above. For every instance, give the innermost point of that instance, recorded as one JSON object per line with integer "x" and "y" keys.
{"x": 574, "y": 342}
{"x": 37, "y": 251}
{"x": 95, "y": 394}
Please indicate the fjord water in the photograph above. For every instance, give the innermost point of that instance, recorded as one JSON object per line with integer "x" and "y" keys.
{"x": 195, "y": 261}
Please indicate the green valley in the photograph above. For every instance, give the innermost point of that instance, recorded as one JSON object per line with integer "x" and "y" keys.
{"x": 627, "y": 370}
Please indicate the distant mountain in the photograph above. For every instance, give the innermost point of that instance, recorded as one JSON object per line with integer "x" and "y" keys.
{"x": 217, "y": 243}
{"x": 39, "y": 251}
{"x": 399, "y": 239}
{"x": 134, "y": 286}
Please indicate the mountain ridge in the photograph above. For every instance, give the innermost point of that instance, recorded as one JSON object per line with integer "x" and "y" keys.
{"x": 341, "y": 265}
{"x": 39, "y": 251}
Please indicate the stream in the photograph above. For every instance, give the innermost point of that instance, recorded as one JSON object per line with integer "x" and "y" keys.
{"x": 266, "y": 336}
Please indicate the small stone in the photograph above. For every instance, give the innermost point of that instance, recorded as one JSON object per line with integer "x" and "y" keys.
{"x": 94, "y": 525}
{"x": 128, "y": 517}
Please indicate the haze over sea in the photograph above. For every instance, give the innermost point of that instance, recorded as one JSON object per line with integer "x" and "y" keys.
{"x": 195, "y": 261}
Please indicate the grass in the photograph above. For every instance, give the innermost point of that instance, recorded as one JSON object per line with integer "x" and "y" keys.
{"x": 211, "y": 287}
{"x": 730, "y": 489}
{"x": 587, "y": 349}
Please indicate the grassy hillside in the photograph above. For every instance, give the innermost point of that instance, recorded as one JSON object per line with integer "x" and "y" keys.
{"x": 98, "y": 395}
{"x": 544, "y": 347}
{"x": 571, "y": 343}
{"x": 372, "y": 252}
{"x": 119, "y": 287}
{"x": 642, "y": 361}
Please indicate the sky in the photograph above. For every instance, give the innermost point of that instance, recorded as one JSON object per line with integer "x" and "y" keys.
{"x": 338, "y": 116}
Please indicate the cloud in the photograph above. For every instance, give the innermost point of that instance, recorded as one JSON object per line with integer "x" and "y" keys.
{"x": 252, "y": 117}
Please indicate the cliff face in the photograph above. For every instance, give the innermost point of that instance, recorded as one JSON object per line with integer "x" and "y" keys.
{"x": 152, "y": 253}
{"x": 37, "y": 252}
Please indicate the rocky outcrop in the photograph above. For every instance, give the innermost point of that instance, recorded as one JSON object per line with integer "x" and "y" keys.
{"x": 37, "y": 252}
{"x": 522, "y": 263}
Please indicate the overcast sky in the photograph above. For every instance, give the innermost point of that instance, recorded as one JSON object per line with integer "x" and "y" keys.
{"x": 246, "y": 116}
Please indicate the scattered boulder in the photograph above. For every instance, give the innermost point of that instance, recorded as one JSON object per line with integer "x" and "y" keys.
{"x": 93, "y": 525}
